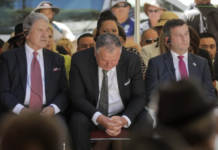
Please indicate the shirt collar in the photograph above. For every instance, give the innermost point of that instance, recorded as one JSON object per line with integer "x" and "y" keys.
{"x": 30, "y": 51}
{"x": 113, "y": 69}
{"x": 175, "y": 54}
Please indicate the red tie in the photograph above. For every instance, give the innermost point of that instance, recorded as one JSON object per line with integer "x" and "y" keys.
{"x": 182, "y": 68}
{"x": 36, "y": 85}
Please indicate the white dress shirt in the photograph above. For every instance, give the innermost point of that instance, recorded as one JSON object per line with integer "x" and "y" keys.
{"x": 115, "y": 103}
{"x": 29, "y": 57}
{"x": 176, "y": 63}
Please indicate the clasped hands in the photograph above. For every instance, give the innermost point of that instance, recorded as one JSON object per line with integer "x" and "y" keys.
{"x": 113, "y": 125}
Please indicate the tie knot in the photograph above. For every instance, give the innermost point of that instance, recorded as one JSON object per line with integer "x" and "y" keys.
{"x": 105, "y": 72}
{"x": 180, "y": 57}
{"x": 35, "y": 54}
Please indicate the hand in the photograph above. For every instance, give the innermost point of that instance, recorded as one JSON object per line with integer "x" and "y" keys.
{"x": 48, "y": 111}
{"x": 119, "y": 119}
{"x": 116, "y": 130}
{"x": 26, "y": 111}
{"x": 103, "y": 120}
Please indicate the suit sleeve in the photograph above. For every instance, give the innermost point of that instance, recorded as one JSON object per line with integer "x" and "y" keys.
{"x": 8, "y": 100}
{"x": 62, "y": 98}
{"x": 216, "y": 66}
{"x": 138, "y": 97}
{"x": 151, "y": 80}
{"x": 78, "y": 92}
{"x": 211, "y": 67}
{"x": 208, "y": 86}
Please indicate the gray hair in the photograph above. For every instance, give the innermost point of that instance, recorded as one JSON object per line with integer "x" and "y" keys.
{"x": 108, "y": 40}
{"x": 31, "y": 18}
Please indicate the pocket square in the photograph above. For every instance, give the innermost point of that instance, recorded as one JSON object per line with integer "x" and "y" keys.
{"x": 56, "y": 69}
{"x": 127, "y": 82}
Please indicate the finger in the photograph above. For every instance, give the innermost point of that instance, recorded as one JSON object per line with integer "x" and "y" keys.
{"x": 112, "y": 132}
{"x": 117, "y": 128}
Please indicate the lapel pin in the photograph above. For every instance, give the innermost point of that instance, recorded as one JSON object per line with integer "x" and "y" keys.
{"x": 194, "y": 64}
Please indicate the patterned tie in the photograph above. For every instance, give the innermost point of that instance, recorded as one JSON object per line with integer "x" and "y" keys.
{"x": 36, "y": 85}
{"x": 103, "y": 101}
{"x": 182, "y": 68}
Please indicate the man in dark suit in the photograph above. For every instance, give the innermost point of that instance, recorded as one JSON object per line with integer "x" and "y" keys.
{"x": 177, "y": 63}
{"x": 107, "y": 91}
{"x": 33, "y": 79}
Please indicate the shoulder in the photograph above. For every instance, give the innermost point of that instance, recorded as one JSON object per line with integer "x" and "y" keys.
{"x": 199, "y": 59}
{"x": 127, "y": 55}
{"x": 132, "y": 50}
{"x": 53, "y": 54}
{"x": 10, "y": 53}
{"x": 192, "y": 12}
{"x": 84, "y": 56}
{"x": 60, "y": 25}
{"x": 150, "y": 47}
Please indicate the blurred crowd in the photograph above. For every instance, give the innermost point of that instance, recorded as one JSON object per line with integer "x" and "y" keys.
{"x": 56, "y": 89}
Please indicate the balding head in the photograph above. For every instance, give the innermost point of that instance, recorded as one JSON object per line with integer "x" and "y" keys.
{"x": 148, "y": 35}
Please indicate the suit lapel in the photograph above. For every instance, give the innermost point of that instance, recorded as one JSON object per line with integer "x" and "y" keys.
{"x": 48, "y": 59}
{"x": 168, "y": 61}
{"x": 21, "y": 56}
{"x": 121, "y": 74}
{"x": 94, "y": 77}
{"x": 192, "y": 66}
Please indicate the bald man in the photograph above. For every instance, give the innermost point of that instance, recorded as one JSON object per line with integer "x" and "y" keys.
{"x": 148, "y": 37}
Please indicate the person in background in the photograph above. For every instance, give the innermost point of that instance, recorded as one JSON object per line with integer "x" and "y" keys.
{"x": 153, "y": 11}
{"x": 195, "y": 49}
{"x": 18, "y": 39}
{"x": 51, "y": 46}
{"x": 60, "y": 29}
{"x": 30, "y": 132}
{"x": 191, "y": 115}
{"x": 148, "y": 37}
{"x": 67, "y": 44}
{"x": 85, "y": 41}
{"x": 203, "y": 18}
{"x": 121, "y": 8}
{"x": 207, "y": 41}
{"x": 152, "y": 50}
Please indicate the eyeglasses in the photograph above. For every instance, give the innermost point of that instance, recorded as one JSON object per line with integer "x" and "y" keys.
{"x": 150, "y": 10}
{"x": 150, "y": 40}
{"x": 120, "y": 5}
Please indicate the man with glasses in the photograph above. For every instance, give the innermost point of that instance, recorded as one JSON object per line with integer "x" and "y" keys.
{"x": 148, "y": 37}
{"x": 153, "y": 11}
{"x": 121, "y": 8}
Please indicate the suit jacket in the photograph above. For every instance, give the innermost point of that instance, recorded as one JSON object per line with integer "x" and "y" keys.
{"x": 150, "y": 51}
{"x": 13, "y": 78}
{"x": 84, "y": 86}
{"x": 161, "y": 70}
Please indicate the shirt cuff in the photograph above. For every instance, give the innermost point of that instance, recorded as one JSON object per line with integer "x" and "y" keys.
{"x": 94, "y": 118}
{"x": 128, "y": 120}
{"x": 17, "y": 109}
{"x": 57, "y": 110}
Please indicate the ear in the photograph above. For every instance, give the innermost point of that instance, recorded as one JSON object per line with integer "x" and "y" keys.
{"x": 25, "y": 33}
{"x": 166, "y": 39}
